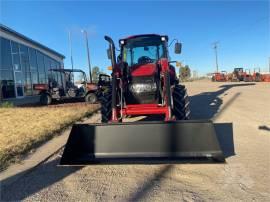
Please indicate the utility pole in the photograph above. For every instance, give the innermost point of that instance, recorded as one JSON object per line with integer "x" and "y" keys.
{"x": 88, "y": 54}
{"x": 215, "y": 48}
{"x": 269, "y": 64}
{"x": 70, "y": 47}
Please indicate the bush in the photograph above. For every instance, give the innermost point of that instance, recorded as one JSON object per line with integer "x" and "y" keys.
{"x": 6, "y": 105}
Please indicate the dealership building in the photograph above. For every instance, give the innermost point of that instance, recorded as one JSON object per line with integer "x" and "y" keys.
{"x": 23, "y": 63}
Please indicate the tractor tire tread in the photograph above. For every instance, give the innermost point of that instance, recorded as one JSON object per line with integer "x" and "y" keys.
{"x": 181, "y": 103}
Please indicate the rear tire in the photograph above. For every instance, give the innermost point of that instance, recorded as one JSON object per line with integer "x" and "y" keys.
{"x": 106, "y": 106}
{"x": 45, "y": 99}
{"x": 181, "y": 109}
{"x": 91, "y": 98}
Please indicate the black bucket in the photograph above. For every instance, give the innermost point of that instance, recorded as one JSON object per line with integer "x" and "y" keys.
{"x": 91, "y": 143}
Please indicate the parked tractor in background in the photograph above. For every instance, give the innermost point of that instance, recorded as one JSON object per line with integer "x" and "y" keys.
{"x": 66, "y": 84}
{"x": 237, "y": 75}
{"x": 266, "y": 77}
{"x": 248, "y": 76}
{"x": 257, "y": 75}
{"x": 220, "y": 76}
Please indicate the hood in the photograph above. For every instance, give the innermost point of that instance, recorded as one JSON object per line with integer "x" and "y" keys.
{"x": 144, "y": 70}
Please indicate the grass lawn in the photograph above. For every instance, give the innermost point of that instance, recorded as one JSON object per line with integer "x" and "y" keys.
{"x": 24, "y": 128}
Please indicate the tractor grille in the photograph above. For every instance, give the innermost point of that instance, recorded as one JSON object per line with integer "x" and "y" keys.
{"x": 142, "y": 90}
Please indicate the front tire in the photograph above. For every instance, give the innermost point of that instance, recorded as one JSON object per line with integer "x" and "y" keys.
{"x": 91, "y": 98}
{"x": 45, "y": 99}
{"x": 181, "y": 109}
{"x": 106, "y": 106}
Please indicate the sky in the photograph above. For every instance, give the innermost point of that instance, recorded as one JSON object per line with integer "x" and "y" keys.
{"x": 241, "y": 29}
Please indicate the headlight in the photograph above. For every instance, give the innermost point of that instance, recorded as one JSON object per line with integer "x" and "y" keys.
{"x": 143, "y": 87}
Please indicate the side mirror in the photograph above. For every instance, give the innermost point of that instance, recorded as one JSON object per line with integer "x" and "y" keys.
{"x": 109, "y": 54}
{"x": 177, "y": 48}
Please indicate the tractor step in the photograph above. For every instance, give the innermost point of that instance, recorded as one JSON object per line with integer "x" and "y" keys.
{"x": 92, "y": 143}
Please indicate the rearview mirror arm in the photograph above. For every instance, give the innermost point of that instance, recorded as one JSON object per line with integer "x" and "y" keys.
{"x": 173, "y": 41}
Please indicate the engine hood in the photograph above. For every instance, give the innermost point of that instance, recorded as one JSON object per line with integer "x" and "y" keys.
{"x": 144, "y": 70}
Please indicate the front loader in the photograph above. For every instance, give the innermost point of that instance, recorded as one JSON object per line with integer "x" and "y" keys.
{"x": 144, "y": 82}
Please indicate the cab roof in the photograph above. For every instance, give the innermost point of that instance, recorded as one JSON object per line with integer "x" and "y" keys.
{"x": 143, "y": 35}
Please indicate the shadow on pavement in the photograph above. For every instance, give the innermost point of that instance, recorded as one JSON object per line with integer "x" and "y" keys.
{"x": 156, "y": 179}
{"x": 34, "y": 180}
{"x": 264, "y": 128}
{"x": 206, "y": 105}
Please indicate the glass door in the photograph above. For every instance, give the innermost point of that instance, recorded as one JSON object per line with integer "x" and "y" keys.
{"x": 18, "y": 78}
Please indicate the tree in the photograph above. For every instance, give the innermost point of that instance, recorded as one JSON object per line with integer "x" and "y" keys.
{"x": 184, "y": 73}
{"x": 95, "y": 73}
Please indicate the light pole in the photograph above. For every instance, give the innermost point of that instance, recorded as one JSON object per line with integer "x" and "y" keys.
{"x": 215, "y": 48}
{"x": 269, "y": 64}
{"x": 70, "y": 46}
{"x": 88, "y": 54}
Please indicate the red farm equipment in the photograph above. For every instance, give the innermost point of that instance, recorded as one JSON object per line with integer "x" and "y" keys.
{"x": 257, "y": 76}
{"x": 220, "y": 76}
{"x": 67, "y": 84}
{"x": 238, "y": 74}
{"x": 266, "y": 77}
{"x": 248, "y": 76}
{"x": 143, "y": 83}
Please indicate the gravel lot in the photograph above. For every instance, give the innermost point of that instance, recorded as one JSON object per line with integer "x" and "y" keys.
{"x": 242, "y": 114}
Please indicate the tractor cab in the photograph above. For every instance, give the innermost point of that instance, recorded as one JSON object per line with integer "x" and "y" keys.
{"x": 238, "y": 74}
{"x": 104, "y": 80}
{"x": 140, "y": 64}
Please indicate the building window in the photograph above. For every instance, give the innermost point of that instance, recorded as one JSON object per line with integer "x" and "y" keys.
{"x": 24, "y": 54}
{"x": 33, "y": 59}
{"x": 33, "y": 68}
{"x": 5, "y": 59}
{"x": 15, "y": 56}
{"x": 47, "y": 65}
{"x": 19, "y": 83}
{"x": 24, "y": 58}
{"x": 41, "y": 68}
{"x": 21, "y": 67}
{"x": 27, "y": 84}
{"x": 7, "y": 84}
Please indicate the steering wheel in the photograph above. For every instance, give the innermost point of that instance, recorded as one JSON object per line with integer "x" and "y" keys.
{"x": 144, "y": 59}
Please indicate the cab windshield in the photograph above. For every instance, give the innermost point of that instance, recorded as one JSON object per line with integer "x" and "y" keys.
{"x": 143, "y": 50}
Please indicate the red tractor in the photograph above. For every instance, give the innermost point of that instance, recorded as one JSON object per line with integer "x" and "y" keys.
{"x": 238, "y": 74}
{"x": 248, "y": 76}
{"x": 220, "y": 76}
{"x": 257, "y": 76}
{"x": 143, "y": 83}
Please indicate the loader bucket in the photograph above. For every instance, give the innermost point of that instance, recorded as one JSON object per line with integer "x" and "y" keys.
{"x": 92, "y": 143}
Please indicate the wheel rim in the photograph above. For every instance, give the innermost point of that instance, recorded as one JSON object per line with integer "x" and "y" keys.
{"x": 91, "y": 98}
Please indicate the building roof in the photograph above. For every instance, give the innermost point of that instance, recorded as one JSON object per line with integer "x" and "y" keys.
{"x": 13, "y": 32}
